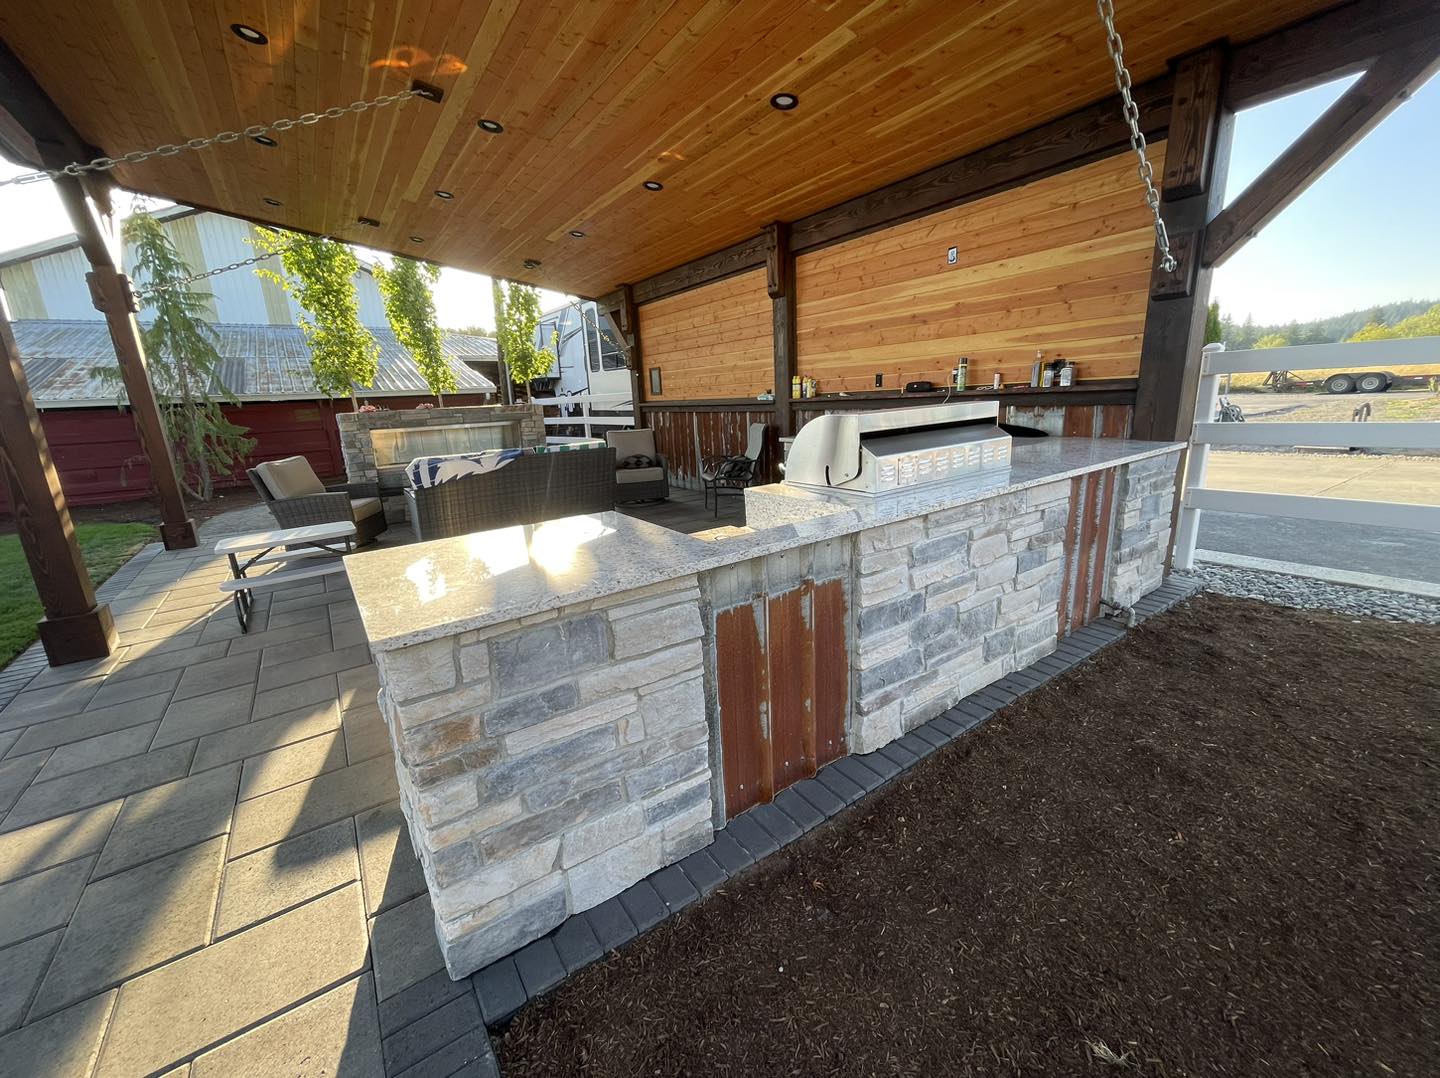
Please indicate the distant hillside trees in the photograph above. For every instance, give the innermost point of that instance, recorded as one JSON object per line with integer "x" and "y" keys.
{"x": 1425, "y": 324}
{"x": 1340, "y": 327}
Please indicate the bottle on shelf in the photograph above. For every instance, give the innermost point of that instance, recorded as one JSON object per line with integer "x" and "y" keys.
{"x": 795, "y": 388}
{"x": 1047, "y": 374}
{"x": 1036, "y": 368}
{"x": 1067, "y": 374}
{"x": 960, "y": 373}
{"x": 997, "y": 383}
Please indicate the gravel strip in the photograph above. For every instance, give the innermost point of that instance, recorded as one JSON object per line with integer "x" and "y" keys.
{"x": 1299, "y": 591}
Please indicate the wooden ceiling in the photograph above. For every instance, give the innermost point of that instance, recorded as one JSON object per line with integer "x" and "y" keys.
{"x": 595, "y": 98}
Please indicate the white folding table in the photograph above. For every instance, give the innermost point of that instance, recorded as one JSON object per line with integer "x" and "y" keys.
{"x": 281, "y": 544}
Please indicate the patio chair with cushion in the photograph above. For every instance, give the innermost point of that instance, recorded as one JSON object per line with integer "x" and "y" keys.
{"x": 296, "y": 497}
{"x": 733, "y": 474}
{"x": 641, "y": 473}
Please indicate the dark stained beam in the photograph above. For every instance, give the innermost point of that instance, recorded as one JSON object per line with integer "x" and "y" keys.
{"x": 737, "y": 258}
{"x": 1390, "y": 80}
{"x": 1079, "y": 138}
{"x": 780, "y": 283}
{"x": 1342, "y": 41}
{"x": 74, "y": 628}
{"x": 114, "y": 298}
{"x": 1197, "y": 156}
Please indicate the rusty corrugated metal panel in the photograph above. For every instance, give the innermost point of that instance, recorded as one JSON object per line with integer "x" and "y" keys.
{"x": 63, "y": 361}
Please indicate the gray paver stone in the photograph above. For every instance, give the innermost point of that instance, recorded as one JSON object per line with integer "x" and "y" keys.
{"x": 820, "y": 796}
{"x": 280, "y": 877}
{"x": 170, "y": 817}
{"x": 539, "y": 966}
{"x": 674, "y": 888}
{"x": 576, "y": 944}
{"x": 134, "y": 921}
{"x": 42, "y": 901}
{"x": 419, "y": 1000}
{"x": 21, "y": 967}
{"x": 757, "y": 841}
{"x": 500, "y": 991}
{"x": 611, "y": 924}
{"x": 404, "y": 946}
{"x": 843, "y": 787}
{"x": 644, "y": 906}
{"x": 780, "y": 826}
{"x": 805, "y": 815}
{"x": 703, "y": 871}
{"x": 415, "y": 1042}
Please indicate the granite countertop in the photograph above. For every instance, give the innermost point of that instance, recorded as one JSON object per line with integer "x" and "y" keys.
{"x": 425, "y": 591}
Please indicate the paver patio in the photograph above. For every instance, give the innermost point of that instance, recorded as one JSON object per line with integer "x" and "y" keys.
{"x": 203, "y": 865}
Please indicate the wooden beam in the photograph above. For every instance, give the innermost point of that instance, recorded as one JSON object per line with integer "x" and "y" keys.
{"x": 75, "y": 627}
{"x": 1389, "y": 82}
{"x": 1088, "y": 134}
{"x": 627, "y": 320}
{"x": 780, "y": 282}
{"x": 1199, "y": 147}
{"x": 115, "y": 299}
{"x": 1342, "y": 41}
{"x": 737, "y": 258}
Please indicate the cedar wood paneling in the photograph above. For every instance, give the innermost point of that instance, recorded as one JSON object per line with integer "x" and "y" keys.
{"x": 711, "y": 342}
{"x": 1060, "y": 265}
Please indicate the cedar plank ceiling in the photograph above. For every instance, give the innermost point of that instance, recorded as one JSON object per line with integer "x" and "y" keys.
{"x": 596, "y": 97}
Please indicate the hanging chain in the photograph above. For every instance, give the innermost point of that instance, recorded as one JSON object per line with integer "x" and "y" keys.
{"x": 1106, "y": 8}
{"x": 170, "y": 149}
{"x": 182, "y": 282}
{"x": 579, "y": 307}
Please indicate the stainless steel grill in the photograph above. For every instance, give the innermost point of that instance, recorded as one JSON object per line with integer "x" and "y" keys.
{"x": 873, "y": 453}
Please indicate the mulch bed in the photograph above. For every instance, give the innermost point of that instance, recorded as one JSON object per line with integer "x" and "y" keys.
{"x": 1209, "y": 851}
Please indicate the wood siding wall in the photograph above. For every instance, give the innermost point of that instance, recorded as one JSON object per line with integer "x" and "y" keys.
{"x": 686, "y": 436}
{"x": 710, "y": 342}
{"x": 1061, "y": 265}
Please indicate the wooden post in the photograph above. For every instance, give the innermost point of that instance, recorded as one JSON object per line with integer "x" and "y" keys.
{"x": 507, "y": 388}
{"x": 1196, "y": 158}
{"x": 780, "y": 281}
{"x": 115, "y": 299}
{"x": 75, "y": 627}
{"x": 627, "y": 318}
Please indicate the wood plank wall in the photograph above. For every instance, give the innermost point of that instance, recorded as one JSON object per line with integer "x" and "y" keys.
{"x": 1060, "y": 265}
{"x": 686, "y": 436}
{"x": 711, "y": 342}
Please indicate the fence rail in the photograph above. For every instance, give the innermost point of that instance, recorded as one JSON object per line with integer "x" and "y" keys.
{"x": 1217, "y": 362}
{"x": 616, "y": 410}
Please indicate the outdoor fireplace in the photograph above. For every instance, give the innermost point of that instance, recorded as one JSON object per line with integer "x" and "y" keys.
{"x": 377, "y": 445}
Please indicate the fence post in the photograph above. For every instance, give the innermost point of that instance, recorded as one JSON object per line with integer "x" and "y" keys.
{"x": 1206, "y": 405}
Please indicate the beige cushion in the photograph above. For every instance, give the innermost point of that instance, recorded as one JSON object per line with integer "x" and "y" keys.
{"x": 360, "y": 508}
{"x": 631, "y": 443}
{"x": 639, "y": 475}
{"x": 290, "y": 477}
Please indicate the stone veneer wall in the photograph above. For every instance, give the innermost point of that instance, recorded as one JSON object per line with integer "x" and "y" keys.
{"x": 358, "y": 450}
{"x": 1141, "y": 541}
{"x": 951, "y": 601}
{"x": 547, "y": 767}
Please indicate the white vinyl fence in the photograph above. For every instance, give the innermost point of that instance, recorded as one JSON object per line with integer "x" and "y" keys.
{"x": 1217, "y": 362}
{"x": 594, "y": 413}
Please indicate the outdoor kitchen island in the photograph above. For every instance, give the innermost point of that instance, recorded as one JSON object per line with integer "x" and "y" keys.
{"x": 576, "y": 704}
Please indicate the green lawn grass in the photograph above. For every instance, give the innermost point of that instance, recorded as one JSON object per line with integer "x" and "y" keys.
{"x": 106, "y": 547}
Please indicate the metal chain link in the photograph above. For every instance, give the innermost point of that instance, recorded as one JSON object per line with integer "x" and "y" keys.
{"x": 1106, "y": 9}
{"x": 170, "y": 149}
{"x": 181, "y": 282}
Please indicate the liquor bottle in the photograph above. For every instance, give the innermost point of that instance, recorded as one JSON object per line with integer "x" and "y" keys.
{"x": 997, "y": 383}
{"x": 1035, "y": 369}
{"x": 1067, "y": 374}
{"x": 960, "y": 373}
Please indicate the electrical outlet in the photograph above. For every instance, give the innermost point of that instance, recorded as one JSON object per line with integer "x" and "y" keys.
{"x": 952, "y": 256}
{"x": 879, "y": 381}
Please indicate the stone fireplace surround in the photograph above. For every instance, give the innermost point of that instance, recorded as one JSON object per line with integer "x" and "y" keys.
{"x": 358, "y": 448}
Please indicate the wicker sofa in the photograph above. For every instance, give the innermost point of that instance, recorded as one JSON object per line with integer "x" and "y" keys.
{"x": 296, "y": 497}
{"x": 531, "y": 488}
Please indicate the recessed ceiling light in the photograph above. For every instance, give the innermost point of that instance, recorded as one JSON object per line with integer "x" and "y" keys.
{"x": 531, "y": 263}
{"x": 577, "y": 233}
{"x": 653, "y": 185}
{"x": 248, "y": 34}
{"x": 444, "y": 194}
{"x": 368, "y": 222}
{"x": 493, "y": 126}
{"x": 272, "y": 202}
{"x": 265, "y": 140}
{"x": 784, "y": 102}
{"x": 417, "y": 239}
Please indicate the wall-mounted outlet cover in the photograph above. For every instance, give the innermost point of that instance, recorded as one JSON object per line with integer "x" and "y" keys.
{"x": 879, "y": 380}
{"x": 953, "y": 255}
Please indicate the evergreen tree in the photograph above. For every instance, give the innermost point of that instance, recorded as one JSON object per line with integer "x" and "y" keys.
{"x": 184, "y": 364}
{"x": 1213, "y": 330}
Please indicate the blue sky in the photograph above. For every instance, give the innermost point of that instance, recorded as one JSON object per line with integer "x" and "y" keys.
{"x": 1366, "y": 232}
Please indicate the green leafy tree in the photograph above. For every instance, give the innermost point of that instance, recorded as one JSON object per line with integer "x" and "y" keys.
{"x": 184, "y": 364}
{"x": 517, "y": 316}
{"x": 320, "y": 274}
{"x": 1272, "y": 340}
{"x": 410, "y": 307}
{"x": 1424, "y": 324}
{"x": 1213, "y": 332}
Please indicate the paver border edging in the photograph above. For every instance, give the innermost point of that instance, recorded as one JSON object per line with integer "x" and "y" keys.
{"x": 506, "y": 985}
